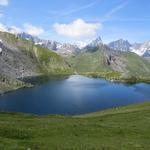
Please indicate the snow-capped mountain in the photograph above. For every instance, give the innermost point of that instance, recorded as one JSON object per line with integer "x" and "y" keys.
{"x": 142, "y": 49}
{"x": 50, "y": 44}
{"x": 79, "y": 44}
{"x": 96, "y": 42}
{"x": 92, "y": 45}
{"x": 122, "y": 45}
{"x": 64, "y": 49}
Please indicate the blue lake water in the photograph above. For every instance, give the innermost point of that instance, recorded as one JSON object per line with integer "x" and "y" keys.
{"x": 74, "y": 95}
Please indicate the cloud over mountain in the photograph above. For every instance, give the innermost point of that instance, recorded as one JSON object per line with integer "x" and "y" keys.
{"x": 33, "y": 30}
{"x": 77, "y": 29}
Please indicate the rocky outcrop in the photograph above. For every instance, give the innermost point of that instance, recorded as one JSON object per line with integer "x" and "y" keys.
{"x": 15, "y": 63}
{"x": 121, "y": 45}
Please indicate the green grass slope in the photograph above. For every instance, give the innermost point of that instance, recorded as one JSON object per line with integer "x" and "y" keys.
{"x": 22, "y": 59}
{"x": 136, "y": 65}
{"x": 111, "y": 64}
{"x": 89, "y": 62}
{"x": 46, "y": 60}
{"x": 125, "y": 128}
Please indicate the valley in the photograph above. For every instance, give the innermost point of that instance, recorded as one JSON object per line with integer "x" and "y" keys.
{"x": 24, "y": 56}
{"x": 74, "y": 75}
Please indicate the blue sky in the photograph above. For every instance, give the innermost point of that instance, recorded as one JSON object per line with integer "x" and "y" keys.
{"x": 79, "y": 20}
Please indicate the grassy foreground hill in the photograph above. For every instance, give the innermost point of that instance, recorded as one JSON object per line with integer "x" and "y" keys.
{"x": 124, "y": 128}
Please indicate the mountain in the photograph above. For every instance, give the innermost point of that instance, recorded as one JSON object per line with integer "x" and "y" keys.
{"x": 142, "y": 49}
{"x": 50, "y": 44}
{"x": 23, "y": 55}
{"x": 20, "y": 58}
{"x": 63, "y": 49}
{"x": 147, "y": 54}
{"x": 67, "y": 49}
{"x": 95, "y": 43}
{"x": 122, "y": 45}
{"x": 105, "y": 62}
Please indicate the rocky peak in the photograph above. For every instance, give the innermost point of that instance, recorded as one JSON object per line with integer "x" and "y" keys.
{"x": 97, "y": 42}
{"x": 27, "y": 36}
{"x": 121, "y": 45}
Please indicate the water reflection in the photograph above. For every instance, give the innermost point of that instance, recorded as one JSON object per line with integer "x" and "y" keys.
{"x": 73, "y": 95}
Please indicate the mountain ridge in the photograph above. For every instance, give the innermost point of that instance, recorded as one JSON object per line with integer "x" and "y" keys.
{"x": 67, "y": 49}
{"x": 20, "y": 58}
{"x": 105, "y": 62}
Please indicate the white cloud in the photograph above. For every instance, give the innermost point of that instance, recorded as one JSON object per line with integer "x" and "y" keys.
{"x": 12, "y": 29}
{"x": 4, "y": 2}
{"x": 3, "y": 28}
{"x": 15, "y": 30}
{"x": 78, "y": 29}
{"x": 28, "y": 28}
{"x": 33, "y": 30}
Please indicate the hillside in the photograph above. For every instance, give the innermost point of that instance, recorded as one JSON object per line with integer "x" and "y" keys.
{"x": 124, "y": 128}
{"x": 20, "y": 58}
{"x": 102, "y": 61}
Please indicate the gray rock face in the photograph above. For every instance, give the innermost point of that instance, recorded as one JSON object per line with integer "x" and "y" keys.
{"x": 97, "y": 42}
{"x": 15, "y": 64}
{"x": 115, "y": 60}
{"x": 121, "y": 45}
{"x": 94, "y": 45}
{"x": 147, "y": 54}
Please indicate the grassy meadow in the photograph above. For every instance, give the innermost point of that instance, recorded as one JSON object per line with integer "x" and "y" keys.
{"x": 123, "y": 128}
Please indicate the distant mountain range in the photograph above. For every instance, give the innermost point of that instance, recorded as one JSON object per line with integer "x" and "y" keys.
{"x": 67, "y": 49}
{"x": 122, "y": 45}
{"x": 64, "y": 49}
{"x": 142, "y": 49}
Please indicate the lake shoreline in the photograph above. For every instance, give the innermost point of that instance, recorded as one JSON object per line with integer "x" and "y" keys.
{"x": 27, "y": 81}
{"x": 130, "y": 80}
{"x": 83, "y": 115}
{"x": 59, "y": 96}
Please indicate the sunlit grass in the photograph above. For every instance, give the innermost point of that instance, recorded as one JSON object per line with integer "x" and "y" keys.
{"x": 124, "y": 128}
